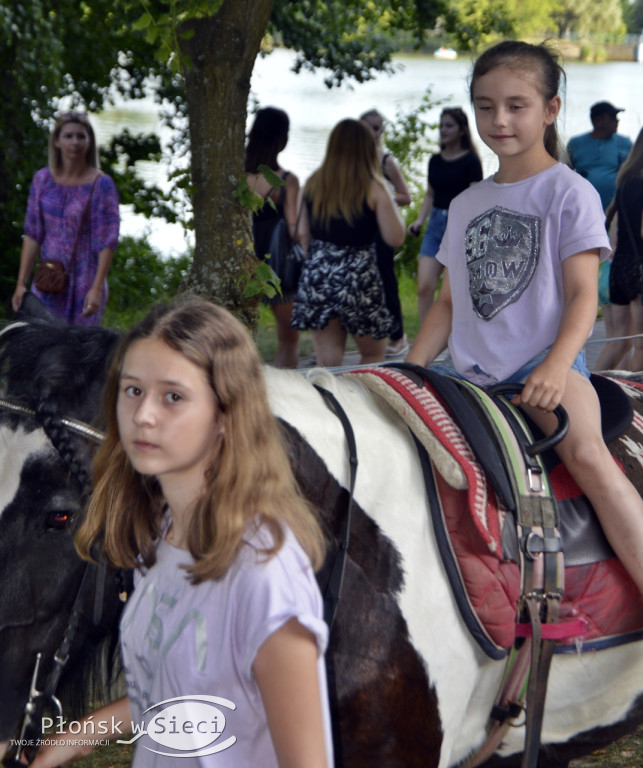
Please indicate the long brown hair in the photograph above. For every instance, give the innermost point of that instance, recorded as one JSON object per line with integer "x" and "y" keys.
{"x": 340, "y": 186}
{"x": 633, "y": 164}
{"x": 459, "y": 116}
{"x": 252, "y": 482}
{"x": 632, "y": 168}
{"x": 537, "y": 60}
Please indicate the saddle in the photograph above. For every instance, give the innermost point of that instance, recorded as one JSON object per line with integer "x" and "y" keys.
{"x": 504, "y": 510}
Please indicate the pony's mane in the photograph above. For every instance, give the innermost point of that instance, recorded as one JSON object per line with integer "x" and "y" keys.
{"x": 65, "y": 366}
{"x": 57, "y": 371}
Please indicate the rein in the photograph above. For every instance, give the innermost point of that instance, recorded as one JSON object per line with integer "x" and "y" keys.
{"x": 39, "y": 700}
{"x": 333, "y": 589}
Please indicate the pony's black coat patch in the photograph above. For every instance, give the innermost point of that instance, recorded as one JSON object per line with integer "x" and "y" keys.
{"x": 384, "y": 699}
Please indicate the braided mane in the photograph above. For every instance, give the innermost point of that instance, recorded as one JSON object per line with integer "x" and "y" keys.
{"x": 57, "y": 371}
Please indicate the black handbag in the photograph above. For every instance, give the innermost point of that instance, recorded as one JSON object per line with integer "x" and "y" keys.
{"x": 286, "y": 255}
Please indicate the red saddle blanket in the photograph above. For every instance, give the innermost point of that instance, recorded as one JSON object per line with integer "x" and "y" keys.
{"x": 601, "y": 595}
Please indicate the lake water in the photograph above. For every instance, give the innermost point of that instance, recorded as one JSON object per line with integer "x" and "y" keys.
{"x": 314, "y": 110}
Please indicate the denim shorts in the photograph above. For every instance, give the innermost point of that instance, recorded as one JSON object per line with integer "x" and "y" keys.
{"x": 434, "y": 232}
{"x": 579, "y": 364}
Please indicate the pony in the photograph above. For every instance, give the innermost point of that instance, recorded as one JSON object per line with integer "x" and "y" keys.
{"x": 409, "y": 684}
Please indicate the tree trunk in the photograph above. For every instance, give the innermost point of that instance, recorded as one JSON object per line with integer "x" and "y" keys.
{"x": 222, "y": 50}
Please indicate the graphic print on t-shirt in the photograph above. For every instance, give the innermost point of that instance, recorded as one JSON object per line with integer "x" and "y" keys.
{"x": 502, "y": 249}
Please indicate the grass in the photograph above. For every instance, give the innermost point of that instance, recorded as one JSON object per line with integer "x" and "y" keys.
{"x": 112, "y": 756}
{"x": 625, "y": 753}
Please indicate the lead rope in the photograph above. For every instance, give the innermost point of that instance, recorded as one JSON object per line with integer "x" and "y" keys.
{"x": 38, "y": 700}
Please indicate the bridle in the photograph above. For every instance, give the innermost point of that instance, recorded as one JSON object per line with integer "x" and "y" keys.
{"x": 38, "y": 701}
{"x": 94, "y": 573}
{"x": 74, "y": 425}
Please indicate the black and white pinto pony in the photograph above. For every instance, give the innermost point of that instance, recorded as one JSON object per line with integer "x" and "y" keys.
{"x": 411, "y": 687}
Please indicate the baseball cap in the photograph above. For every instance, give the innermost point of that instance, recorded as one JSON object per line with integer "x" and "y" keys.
{"x": 604, "y": 108}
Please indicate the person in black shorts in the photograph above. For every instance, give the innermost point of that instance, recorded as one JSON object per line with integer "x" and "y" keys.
{"x": 625, "y": 214}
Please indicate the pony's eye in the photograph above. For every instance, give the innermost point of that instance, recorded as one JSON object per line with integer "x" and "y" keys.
{"x": 58, "y": 520}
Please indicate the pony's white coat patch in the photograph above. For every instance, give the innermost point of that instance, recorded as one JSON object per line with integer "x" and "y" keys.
{"x": 390, "y": 489}
{"x": 585, "y": 691}
{"x": 17, "y": 446}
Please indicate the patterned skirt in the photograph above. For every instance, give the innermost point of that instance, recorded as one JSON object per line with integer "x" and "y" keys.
{"x": 343, "y": 282}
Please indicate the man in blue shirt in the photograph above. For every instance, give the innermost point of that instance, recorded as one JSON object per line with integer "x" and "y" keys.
{"x": 599, "y": 154}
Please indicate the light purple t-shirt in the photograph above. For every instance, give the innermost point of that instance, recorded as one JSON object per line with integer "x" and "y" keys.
{"x": 179, "y": 639}
{"x": 504, "y": 247}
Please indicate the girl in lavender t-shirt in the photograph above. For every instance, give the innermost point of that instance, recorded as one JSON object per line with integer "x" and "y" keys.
{"x": 519, "y": 298}
{"x": 223, "y": 637}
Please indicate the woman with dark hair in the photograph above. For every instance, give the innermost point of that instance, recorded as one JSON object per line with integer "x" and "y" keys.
{"x": 346, "y": 205}
{"x": 72, "y": 218}
{"x": 451, "y": 171}
{"x": 267, "y": 138}
{"x": 625, "y": 213}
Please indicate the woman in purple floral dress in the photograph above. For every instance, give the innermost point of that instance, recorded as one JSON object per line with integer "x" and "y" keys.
{"x": 71, "y": 200}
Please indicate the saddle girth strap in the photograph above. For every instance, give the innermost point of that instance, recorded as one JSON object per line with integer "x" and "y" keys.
{"x": 542, "y": 572}
{"x": 542, "y": 568}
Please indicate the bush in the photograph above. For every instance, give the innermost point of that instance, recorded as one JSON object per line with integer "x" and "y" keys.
{"x": 140, "y": 277}
{"x": 407, "y": 138}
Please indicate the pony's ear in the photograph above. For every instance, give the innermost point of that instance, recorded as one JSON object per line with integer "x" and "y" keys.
{"x": 32, "y": 308}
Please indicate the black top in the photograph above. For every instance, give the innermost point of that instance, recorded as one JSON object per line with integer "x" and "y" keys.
{"x": 448, "y": 178}
{"x": 360, "y": 234}
{"x": 630, "y": 206}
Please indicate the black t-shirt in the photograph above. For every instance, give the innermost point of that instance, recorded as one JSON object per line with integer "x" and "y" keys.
{"x": 630, "y": 204}
{"x": 448, "y": 178}
{"x": 360, "y": 234}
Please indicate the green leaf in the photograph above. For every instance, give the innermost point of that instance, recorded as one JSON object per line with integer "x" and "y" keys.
{"x": 151, "y": 35}
{"x": 142, "y": 22}
{"x": 271, "y": 177}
